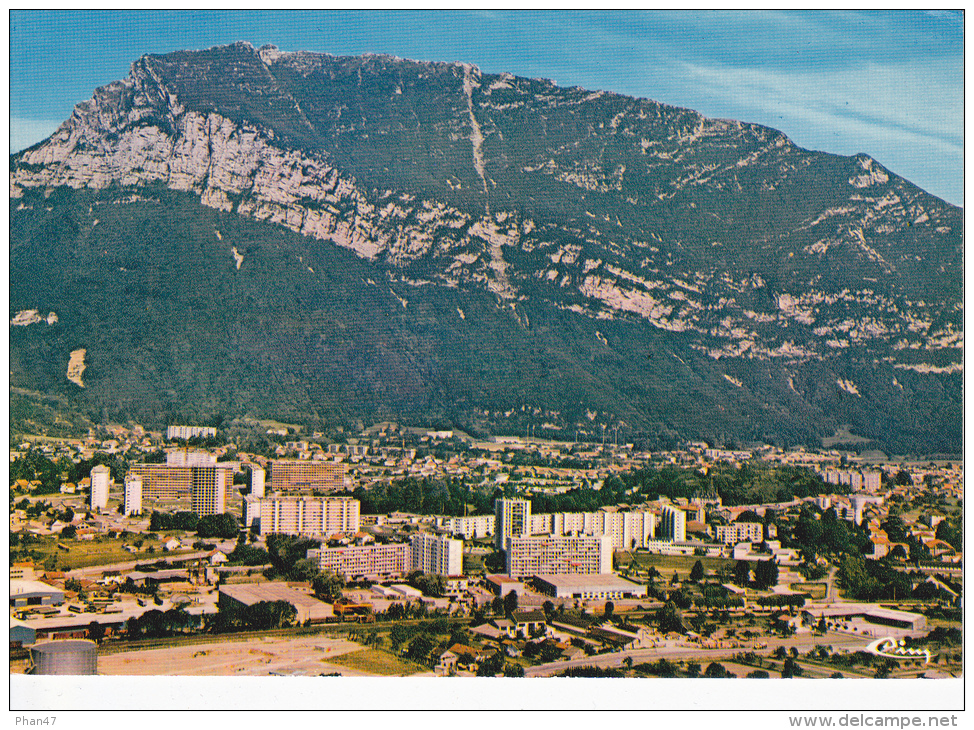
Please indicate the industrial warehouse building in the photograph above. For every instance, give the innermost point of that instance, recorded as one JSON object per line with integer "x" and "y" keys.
{"x": 34, "y": 593}
{"x": 308, "y": 607}
{"x": 604, "y": 586}
{"x": 867, "y": 619}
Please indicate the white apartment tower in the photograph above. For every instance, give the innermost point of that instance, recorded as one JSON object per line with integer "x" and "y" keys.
{"x": 436, "y": 554}
{"x": 101, "y": 476}
{"x": 257, "y": 481}
{"x": 133, "y": 495}
{"x": 512, "y": 518}
{"x": 673, "y": 524}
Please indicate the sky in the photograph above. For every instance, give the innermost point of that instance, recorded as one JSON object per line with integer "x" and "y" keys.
{"x": 886, "y": 83}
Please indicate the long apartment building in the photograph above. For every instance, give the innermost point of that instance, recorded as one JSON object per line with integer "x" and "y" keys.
{"x": 174, "y": 481}
{"x": 468, "y": 527}
{"x": 739, "y": 532}
{"x": 436, "y": 554}
{"x": 363, "y": 561}
{"x": 297, "y": 475}
{"x": 188, "y": 432}
{"x": 564, "y": 554}
{"x": 304, "y": 515}
{"x": 627, "y": 530}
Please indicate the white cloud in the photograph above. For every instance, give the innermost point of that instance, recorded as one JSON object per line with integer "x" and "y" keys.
{"x": 895, "y": 112}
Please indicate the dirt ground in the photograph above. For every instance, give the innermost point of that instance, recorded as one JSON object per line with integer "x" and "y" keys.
{"x": 306, "y": 656}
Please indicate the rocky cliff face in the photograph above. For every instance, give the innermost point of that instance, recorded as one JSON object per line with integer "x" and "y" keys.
{"x": 593, "y": 204}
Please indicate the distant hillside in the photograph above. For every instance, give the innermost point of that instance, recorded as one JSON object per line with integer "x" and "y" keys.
{"x": 319, "y": 238}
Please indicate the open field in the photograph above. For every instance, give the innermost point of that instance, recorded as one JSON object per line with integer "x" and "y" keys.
{"x": 668, "y": 564}
{"x": 377, "y": 662}
{"x": 816, "y": 591}
{"x": 84, "y": 554}
{"x": 263, "y": 656}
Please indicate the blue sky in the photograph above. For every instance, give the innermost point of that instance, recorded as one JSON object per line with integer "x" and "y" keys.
{"x": 889, "y": 84}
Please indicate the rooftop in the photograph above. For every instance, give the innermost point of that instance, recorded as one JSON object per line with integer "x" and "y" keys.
{"x": 602, "y": 580}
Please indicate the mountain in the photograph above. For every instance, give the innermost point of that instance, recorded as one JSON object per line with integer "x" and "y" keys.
{"x": 318, "y": 238}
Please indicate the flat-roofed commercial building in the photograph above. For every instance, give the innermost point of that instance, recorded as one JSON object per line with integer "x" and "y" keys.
{"x": 739, "y": 532}
{"x": 34, "y": 593}
{"x": 363, "y": 561}
{"x": 512, "y": 518}
{"x": 308, "y": 608}
{"x": 563, "y": 554}
{"x": 306, "y": 515}
{"x": 599, "y": 586}
{"x": 208, "y": 490}
{"x": 290, "y": 475}
{"x": 436, "y": 554}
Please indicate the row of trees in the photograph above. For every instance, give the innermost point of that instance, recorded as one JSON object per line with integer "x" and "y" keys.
{"x": 221, "y": 525}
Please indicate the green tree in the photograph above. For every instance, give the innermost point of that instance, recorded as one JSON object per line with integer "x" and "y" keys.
{"x": 510, "y": 603}
{"x": 669, "y": 618}
{"x": 717, "y": 671}
{"x": 790, "y": 669}
{"x": 766, "y": 574}
{"x": 329, "y": 585}
{"x": 419, "y": 648}
{"x": 222, "y": 525}
{"x": 742, "y": 572}
{"x": 513, "y": 670}
{"x": 696, "y": 572}
{"x": 96, "y": 632}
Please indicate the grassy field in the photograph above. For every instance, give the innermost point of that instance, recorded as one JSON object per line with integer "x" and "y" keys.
{"x": 83, "y": 554}
{"x": 668, "y": 564}
{"x": 375, "y": 661}
{"x": 816, "y": 590}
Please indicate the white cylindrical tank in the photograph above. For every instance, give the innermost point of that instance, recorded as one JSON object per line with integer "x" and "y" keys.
{"x": 67, "y": 657}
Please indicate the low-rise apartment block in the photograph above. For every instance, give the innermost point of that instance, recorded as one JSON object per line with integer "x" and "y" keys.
{"x": 739, "y": 532}
{"x": 468, "y": 527}
{"x": 357, "y": 562}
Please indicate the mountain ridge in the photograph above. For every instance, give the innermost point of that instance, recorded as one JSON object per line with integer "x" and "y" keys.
{"x": 593, "y": 204}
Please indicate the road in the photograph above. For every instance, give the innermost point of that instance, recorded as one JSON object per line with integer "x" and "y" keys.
{"x": 832, "y": 591}
{"x": 616, "y": 659}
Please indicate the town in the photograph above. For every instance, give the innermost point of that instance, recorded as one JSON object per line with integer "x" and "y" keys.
{"x": 406, "y": 551}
